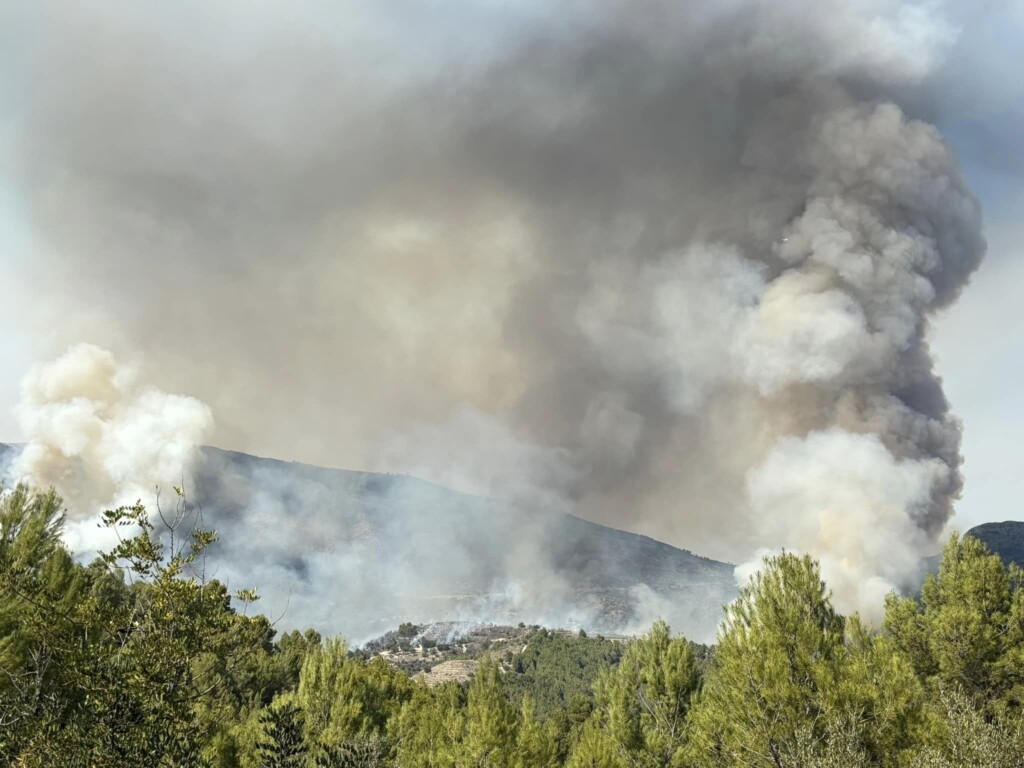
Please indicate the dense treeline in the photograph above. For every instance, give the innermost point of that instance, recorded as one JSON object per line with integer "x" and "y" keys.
{"x": 558, "y": 671}
{"x": 138, "y": 660}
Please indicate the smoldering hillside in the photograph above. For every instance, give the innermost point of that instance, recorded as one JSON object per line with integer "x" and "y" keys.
{"x": 361, "y": 552}
{"x": 667, "y": 266}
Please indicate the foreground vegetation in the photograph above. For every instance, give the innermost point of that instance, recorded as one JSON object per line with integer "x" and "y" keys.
{"x": 138, "y": 660}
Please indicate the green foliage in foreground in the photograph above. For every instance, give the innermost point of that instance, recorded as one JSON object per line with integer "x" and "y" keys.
{"x": 556, "y": 669}
{"x": 138, "y": 660}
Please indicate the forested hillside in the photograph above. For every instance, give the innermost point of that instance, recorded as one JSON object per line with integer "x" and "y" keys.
{"x": 1005, "y": 539}
{"x": 412, "y": 550}
{"x": 138, "y": 659}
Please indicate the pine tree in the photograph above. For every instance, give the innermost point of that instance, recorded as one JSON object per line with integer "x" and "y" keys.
{"x": 490, "y": 725}
{"x": 967, "y": 630}
{"x": 879, "y": 699}
{"x": 283, "y": 745}
{"x": 642, "y": 705}
{"x": 347, "y": 699}
{"x": 786, "y": 674}
{"x": 536, "y": 746}
{"x": 363, "y": 753}
{"x": 596, "y": 748}
{"x": 429, "y": 729}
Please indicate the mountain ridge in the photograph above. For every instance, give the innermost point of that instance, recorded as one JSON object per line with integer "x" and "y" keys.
{"x": 423, "y": 552}
{"x": 1005, "y": 539}
{"x": 356, "y": 552}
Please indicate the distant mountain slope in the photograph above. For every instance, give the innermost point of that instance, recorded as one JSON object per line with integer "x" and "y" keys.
{"x": 360, "y": 552}
{"x": 1005, "y": 539}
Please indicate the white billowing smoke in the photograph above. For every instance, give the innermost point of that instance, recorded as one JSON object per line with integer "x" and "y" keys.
{"x": 878, "y": 245}
{"x": 101, "y": 437}
{"x": 668, "y": 265}
{"x": 845, "y": 498}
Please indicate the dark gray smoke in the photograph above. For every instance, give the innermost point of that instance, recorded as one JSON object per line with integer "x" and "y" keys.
{"x": 668, "y": 265}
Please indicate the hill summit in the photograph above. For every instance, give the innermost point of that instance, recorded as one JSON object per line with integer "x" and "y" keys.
{"x": 1005, "y": 539}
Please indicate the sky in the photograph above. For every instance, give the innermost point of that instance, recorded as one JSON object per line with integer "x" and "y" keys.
{"x": 977, "y": 102}
{"x": 979, "y": 342}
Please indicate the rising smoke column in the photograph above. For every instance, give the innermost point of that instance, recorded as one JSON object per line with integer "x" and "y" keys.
{"x": 102, "y": 438}
{"x": 822, "y": 337}
{"x": 888, "y": 234}
{"x": 667, "y": 265}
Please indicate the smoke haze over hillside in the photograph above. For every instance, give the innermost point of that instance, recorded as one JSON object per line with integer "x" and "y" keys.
{"x": 668, "y": 266}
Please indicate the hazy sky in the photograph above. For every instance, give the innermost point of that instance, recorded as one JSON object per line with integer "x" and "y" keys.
{"x": 978, "y": 104}
{"x": 980, "y": 341}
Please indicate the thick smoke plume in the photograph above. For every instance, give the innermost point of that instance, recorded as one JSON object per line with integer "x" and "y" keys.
{"x": 667, "y": 265}
{"x": 102, "y": 438}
